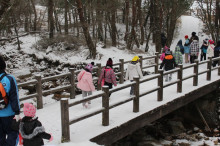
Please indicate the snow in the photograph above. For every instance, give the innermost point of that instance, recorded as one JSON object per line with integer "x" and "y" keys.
{"x": 82, "y": 131}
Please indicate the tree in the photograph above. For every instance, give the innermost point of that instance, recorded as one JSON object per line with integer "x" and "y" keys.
{"x": 84, "y": 25}
{"x": 209, "y": 14}
{"x": 50, "y": 18}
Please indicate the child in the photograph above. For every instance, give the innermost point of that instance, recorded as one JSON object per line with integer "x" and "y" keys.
{"x": 178, "y": 54}
{"x": 204, "y": 48}
{"x": 107, "y": 76}
{"x": 30, "y": 128}
{"x": 133, "y": 70}
{"x": 169, "y": 63}
{"x": 85, "y": 82}
{"x": 186, "y": 49}
{"x": 194, "y": 50}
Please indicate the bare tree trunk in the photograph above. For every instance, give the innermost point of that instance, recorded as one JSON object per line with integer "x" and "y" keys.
{"x": 99, "y": 20}
{"x": 66, "y": 18}
{"x": 86, "y": 30}
{"x": 114, "y": 29}
{"x": 5, "y": 4}
{"x": 50, "y": 18}
{"x": 126, "y": 19}
{"x": 35, "y": 15}
{"x": 139, "y": 15}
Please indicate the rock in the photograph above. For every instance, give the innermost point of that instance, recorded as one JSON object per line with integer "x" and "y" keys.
{"x": 22, "y": 73}
{"x": 206, "y": 138}
{"x": 177, "y": 127}
{"x": 196, "y": 129}
{"x": 183, "y": 144}
{"x": 215, "y": 142}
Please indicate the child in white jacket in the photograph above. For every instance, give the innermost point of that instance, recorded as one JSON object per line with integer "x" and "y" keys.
{"x": 133, "y": 70}
{"x": 210, "y": 49}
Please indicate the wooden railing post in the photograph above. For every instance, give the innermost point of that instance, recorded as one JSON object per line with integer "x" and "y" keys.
{"x": 141, "y": 62}
{"x": 64, "y": 106}
{"x": 72, "y": 82}
{"x": 160, "y": 84}
{"x": 98, "y": 75}
{"x": 196, "y": 71}
{"x": 180, "y": 77}
{"x": 219, "y": 68}
{"x": 156, "y": 62}
{"x": 209, "y": 67}
{"x": 136, "y": 92}
{"x": 105, "y": 104}
{"x": 122, "y": 71}
{"x": 39, "y": 92}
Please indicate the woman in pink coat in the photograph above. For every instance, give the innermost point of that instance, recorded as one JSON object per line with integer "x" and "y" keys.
{"x": 85, "y": 82}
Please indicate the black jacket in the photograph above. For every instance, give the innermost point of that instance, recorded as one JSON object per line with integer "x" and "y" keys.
{"x": 169, "y": 63}
{"x": 32, "y": 131}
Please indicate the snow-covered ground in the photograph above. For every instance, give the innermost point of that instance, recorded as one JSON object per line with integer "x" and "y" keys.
{"x": 82, "y": 131}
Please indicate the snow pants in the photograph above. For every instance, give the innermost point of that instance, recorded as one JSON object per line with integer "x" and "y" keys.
{"x": 6, "y": 131}
{"x": 84, "y": 94}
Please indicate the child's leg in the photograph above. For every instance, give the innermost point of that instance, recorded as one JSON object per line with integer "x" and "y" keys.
{"x": 170, "y": 77}
{"x": 84, "y": 94}
{"x": 89, "y": 93}
{"x": 132, "y": 89}
{"x": 166, "y": 78}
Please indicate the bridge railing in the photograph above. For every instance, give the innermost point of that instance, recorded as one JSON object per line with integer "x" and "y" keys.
{"x": 38, "y": 81}
{"x": 104, "y": 94}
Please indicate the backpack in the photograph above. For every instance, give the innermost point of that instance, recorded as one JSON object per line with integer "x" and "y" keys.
{"x": 3, "y": 96}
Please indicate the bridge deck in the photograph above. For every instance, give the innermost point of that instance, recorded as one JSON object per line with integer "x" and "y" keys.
{"x": 150, "y": 110}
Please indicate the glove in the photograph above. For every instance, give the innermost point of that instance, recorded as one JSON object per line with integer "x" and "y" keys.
{"x": 51, "y": 138}
{"x": 17, "y": 118}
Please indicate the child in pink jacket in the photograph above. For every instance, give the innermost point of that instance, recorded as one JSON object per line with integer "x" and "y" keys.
{"x": 107, "y": 76}
{"x": 85, "y": 82}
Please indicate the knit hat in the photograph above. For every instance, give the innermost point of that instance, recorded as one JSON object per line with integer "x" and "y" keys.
{"x": 186, "y": 36}
{"x": 89, "y": 66}
{"x": 211, "y": 42}
{"x": 29, "y": 110}
{"x": 136, "y": 58}
{"x": 109, "y": 62}
{"x": 2, "y": 63}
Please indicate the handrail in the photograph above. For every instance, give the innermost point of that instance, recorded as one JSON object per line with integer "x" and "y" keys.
{"x": 27, "y": 83}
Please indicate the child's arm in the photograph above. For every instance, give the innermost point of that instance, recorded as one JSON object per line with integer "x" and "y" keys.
{"x": 45, "y": 135}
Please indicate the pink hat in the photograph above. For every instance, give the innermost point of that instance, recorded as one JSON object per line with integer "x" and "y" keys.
{"x": 29, "y": 110}
{"x": 90, "y": 66}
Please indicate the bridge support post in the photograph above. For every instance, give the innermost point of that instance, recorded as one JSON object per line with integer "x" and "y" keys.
{"x": 105, "y": 105}
{"x": 39, "y": 92}
{"x": 180, "y": 77}
{"x": 196, "y": 71}
{"x": 98, "y": 75}
{"x": 141, "y": 62}
{"x": 64, "y": 105}
{"x": 209, "y": 67}
{"x": 122, "y": 71}
{"x": 72, "y": 82}
{"x": 136, "y": 92}
{"x": 156, "y": 62}
{"x": 160, "y": 84}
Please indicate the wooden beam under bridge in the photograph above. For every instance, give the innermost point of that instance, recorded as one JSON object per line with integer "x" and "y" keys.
{"x": 131, "y": 126}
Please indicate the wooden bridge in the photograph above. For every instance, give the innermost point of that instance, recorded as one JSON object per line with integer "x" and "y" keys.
{"x": 124, "y": 115}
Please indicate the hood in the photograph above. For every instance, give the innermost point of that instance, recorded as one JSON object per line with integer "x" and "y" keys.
{"x": 169, "y": 57}
{"x": 132, "y": 66}
{"x": 180, "y": 43}
{"x": 29, "y": 128}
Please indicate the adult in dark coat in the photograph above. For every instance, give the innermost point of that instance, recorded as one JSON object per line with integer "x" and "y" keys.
{"x": 216, "y": 53}
{"x": 193, "y": 37}
{"x": 163, "y": 40}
